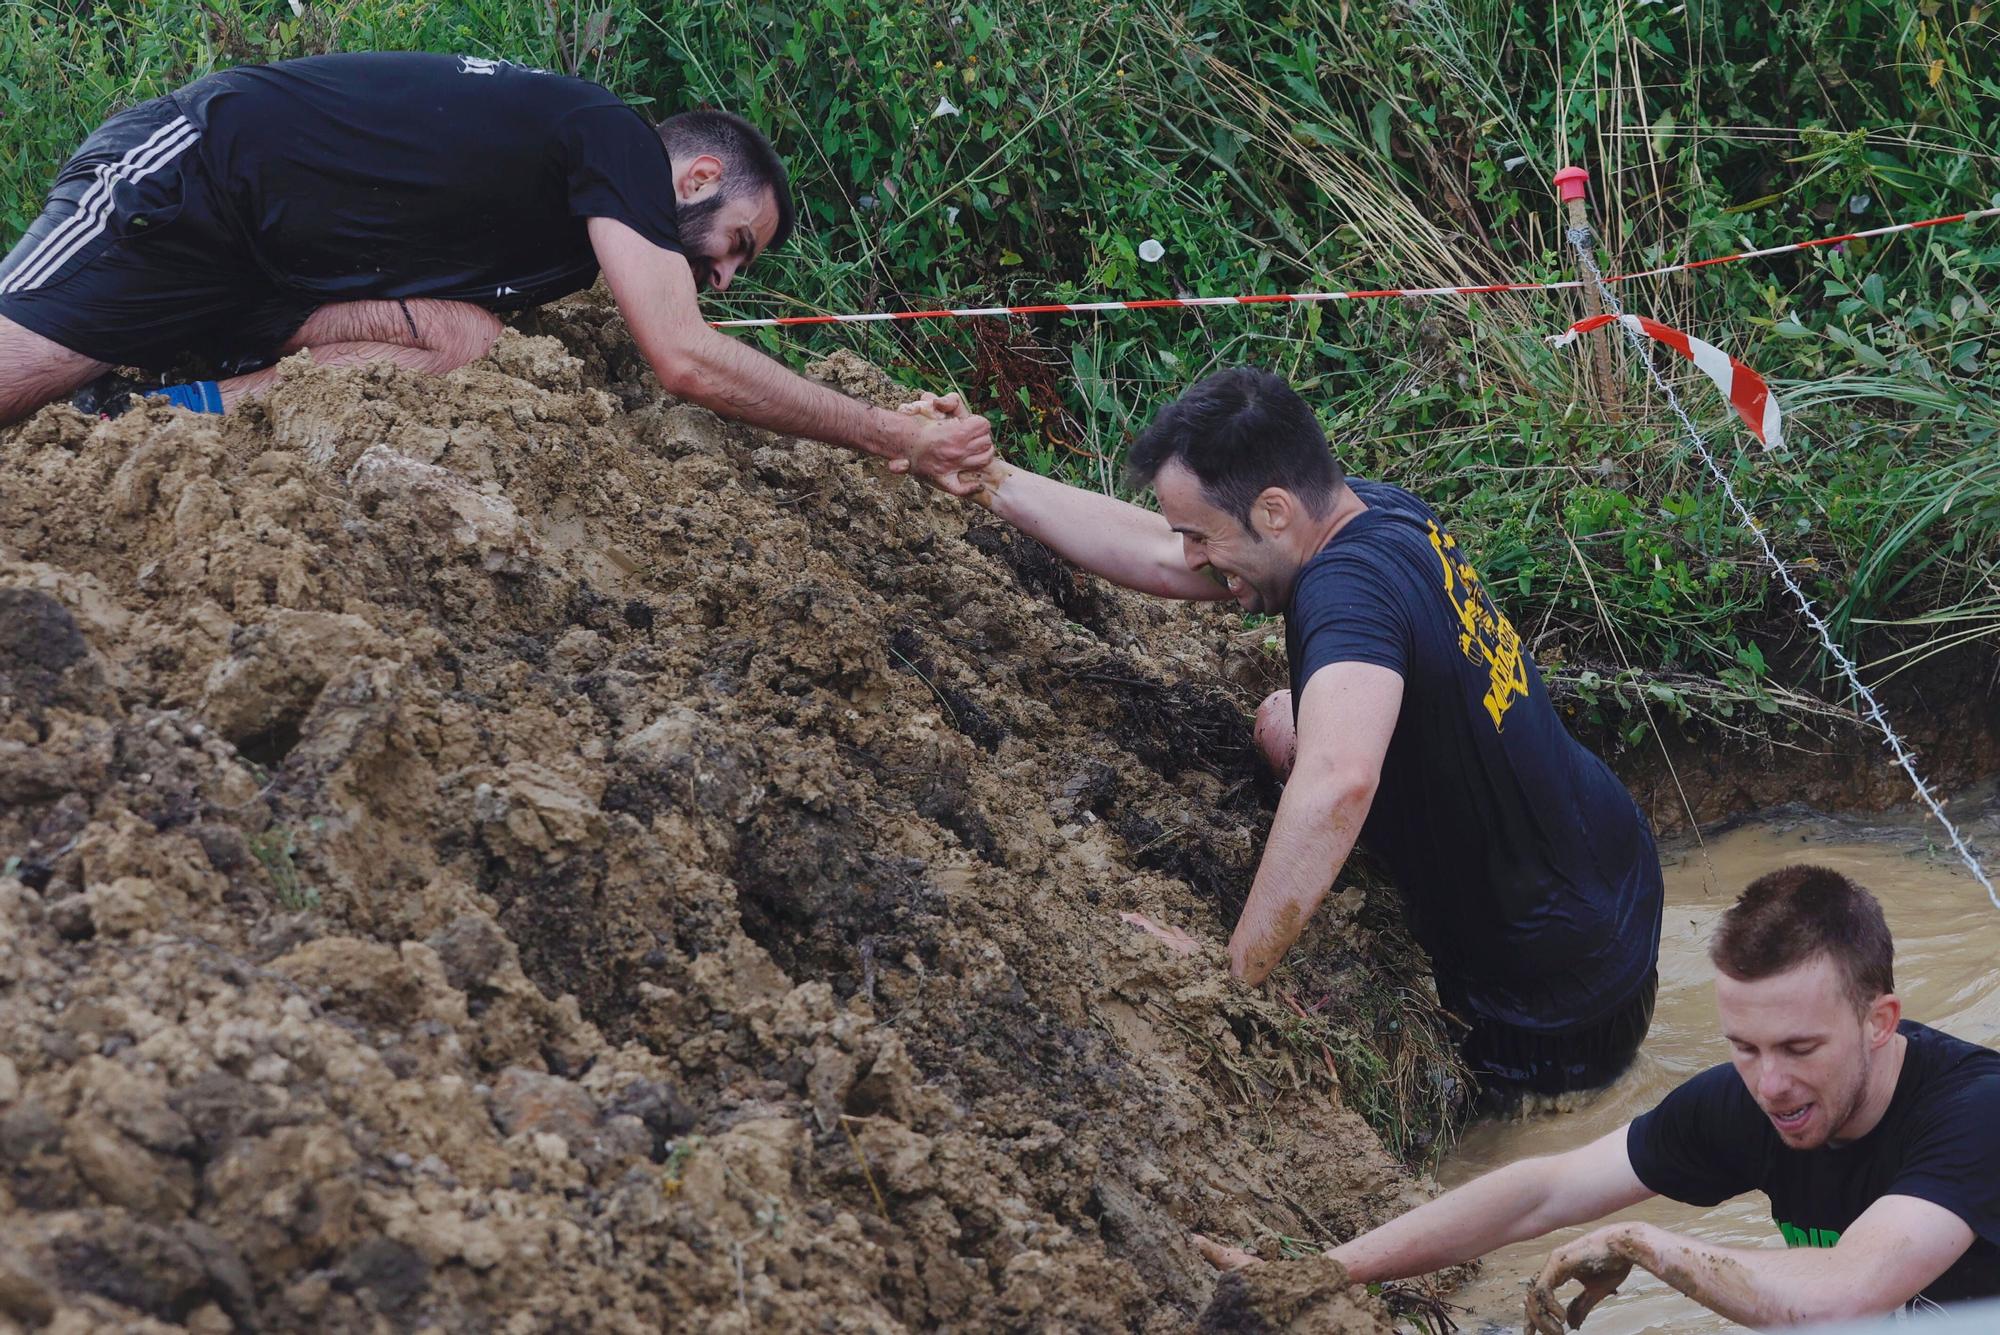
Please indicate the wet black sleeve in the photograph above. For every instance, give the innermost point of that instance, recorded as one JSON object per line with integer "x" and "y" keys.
{"x": 1703, "y": 1143}
{"x": 1952, "y": 1156}
{"x": 1348, "y": 611}
{"x": 616, "y": 167}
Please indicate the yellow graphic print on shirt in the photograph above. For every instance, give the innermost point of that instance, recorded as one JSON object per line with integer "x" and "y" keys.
{"x": 1486, "y": 638}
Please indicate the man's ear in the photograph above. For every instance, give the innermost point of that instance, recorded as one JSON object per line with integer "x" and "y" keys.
{"x": 1274, "y": 511}
{"x": 1883, "y": 1015}
{"x": 698, "y": 178}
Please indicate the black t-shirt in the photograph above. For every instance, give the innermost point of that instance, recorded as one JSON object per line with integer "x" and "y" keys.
{"x": 1526, "y": 869}
{"x": 1939, "y": 1141}
{"x": 404, "y": 174}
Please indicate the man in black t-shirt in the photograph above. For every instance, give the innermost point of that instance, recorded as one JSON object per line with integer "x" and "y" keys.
{"x": 381, "y": 207}
{"x": 1876, "y": 1140}
{"x": 1423, "y": 731}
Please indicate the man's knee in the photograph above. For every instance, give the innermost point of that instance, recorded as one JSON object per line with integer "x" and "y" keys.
{"x": 1276, "y": 737}
{"x": 34, "y": 370}
{"x": 456, "y": 331}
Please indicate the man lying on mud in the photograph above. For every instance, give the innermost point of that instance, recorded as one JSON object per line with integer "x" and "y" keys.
{"x": 1877, "y": 1140}
{"x": 1416, "y": 724}
{"x": 382, "y": 207}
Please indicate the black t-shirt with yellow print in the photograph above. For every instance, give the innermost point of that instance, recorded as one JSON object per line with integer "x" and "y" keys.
{"x": 1939, "y": 1141}
{"x": 1527, "y": 872}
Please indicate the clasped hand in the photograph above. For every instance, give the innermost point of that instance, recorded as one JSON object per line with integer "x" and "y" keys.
{"x": 954, "y": 444}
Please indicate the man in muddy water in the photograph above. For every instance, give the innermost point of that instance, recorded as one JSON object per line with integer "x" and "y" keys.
{"x": 1877, "y": 1140}
{"x": 382, "y": 207}
{"x": 1416, "y": 724}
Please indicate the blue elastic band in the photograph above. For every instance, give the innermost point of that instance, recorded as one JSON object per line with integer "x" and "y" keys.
{"x": 197, "y": 396}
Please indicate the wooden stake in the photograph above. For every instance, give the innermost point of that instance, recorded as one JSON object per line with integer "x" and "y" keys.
{"x": 1572, "y": 185}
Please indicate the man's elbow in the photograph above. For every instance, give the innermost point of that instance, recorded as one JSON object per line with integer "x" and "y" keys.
{"x": 679, "y": 371}
{"x": 678, "y": 357}
{"x": 1335, "y": 788}
{"x": 1849, "y": 1300}
{"x": 1837, "y": 1289}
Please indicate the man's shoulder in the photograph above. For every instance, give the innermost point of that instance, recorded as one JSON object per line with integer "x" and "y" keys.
{"x": 1356, "y": 558}
{"x": 1710, "y": 1105}
{"x": 1391, "y": 498}
{"x": 1955, "y": 1071}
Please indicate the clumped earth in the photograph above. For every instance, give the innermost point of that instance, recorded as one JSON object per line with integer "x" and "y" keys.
{"x": 517, "y": 853}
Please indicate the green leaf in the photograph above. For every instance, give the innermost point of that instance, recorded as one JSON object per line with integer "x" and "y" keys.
{"x": 1378, "y": 123}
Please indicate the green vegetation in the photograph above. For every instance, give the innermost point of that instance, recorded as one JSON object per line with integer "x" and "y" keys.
{"x": 275, "y": 850}
{"x": 966, "y": 152}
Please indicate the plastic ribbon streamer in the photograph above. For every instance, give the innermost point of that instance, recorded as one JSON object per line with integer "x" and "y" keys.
{"x": 1743, "y": 387}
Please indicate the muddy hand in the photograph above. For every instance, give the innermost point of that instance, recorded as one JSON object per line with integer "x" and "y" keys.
{"x": 937, "y": 406}
{"x": 958, "y": 456}
{"x": 1222, "y": 1257}
{"x": 1173, "y": 938}
{"x": 1595, "y": 1262}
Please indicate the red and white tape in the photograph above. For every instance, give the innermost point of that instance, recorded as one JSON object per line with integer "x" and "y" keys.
{"x": 1371, "y": 294}
{"x": 1149, "y": 304}
{"x": 1743, "y": 387}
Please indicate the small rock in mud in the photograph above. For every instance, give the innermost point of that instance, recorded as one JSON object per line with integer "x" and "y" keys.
{"x": 531, "y": 1103}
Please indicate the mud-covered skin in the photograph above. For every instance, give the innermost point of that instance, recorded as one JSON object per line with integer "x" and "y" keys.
{"x": 1305, "y": 1297}
{"x": 511, "y": 852}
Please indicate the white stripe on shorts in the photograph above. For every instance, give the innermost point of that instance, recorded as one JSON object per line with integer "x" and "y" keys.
{"x": 93, "y": 212}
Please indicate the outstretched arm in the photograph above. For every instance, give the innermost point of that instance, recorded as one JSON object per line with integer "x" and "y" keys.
{"x": 1897, "y": 1247}
{"x": 655, "y": 291}
{"x": 1124, "y": 543}
{"x": 1523, "y": 1200}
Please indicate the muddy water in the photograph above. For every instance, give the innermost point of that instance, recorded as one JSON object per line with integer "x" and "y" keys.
{"x": 1947, "y": 936}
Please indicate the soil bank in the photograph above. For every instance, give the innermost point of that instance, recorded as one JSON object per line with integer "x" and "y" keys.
{"x": 513, "y": 852}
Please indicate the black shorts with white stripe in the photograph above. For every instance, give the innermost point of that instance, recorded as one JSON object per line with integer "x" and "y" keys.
{"x": 135, "y": 262}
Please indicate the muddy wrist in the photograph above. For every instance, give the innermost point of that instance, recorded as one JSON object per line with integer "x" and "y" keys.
{"x": 1634, "y": 1242}
{"x": 898, "y": 435}
{"x": 992, "y": 479}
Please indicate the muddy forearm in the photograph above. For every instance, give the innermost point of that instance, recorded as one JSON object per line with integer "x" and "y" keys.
{"x": 739, "y": 382}
{"x": 655, "y": 291}
{"x": 1459, "y": 1226}
{"x": 1752, "y": 1287}
{"x": 1124, "y": 543}
{"x": 1317, "y": 823}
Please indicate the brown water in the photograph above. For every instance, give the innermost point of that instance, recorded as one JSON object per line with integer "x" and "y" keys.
{"x": 1947, "y": 937}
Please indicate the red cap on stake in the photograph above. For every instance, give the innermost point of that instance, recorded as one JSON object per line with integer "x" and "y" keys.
{"x": 1571, "y": 183}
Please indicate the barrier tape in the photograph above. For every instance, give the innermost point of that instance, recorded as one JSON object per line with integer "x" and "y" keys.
{"x": 1369, "y": 294}
{"x": 1579, "y": 237}
{"x": 1743, "y": 387}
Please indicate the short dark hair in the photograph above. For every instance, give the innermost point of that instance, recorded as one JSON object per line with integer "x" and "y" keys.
{"x": 1240, "y": 431}
{"x": 1790, "y": 916}
{"x": 749, "y": 161}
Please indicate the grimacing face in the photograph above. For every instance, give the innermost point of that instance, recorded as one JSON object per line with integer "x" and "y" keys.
{"x": 722, "y": 231}
{"x": 1803, "y": 1049}
{"x": 1258, "y": 572}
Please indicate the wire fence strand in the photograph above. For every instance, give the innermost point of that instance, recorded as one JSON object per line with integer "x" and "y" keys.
{"x": 1580, "y": 239}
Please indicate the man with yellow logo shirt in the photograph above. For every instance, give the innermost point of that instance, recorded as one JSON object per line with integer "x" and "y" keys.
{"x": 1416, "y": 725}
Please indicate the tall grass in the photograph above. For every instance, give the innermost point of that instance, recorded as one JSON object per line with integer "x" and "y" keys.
{"x": 1356, "y": 143}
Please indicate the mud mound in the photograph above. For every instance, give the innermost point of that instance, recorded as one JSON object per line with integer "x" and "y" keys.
{"x": 516, "y": 853}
